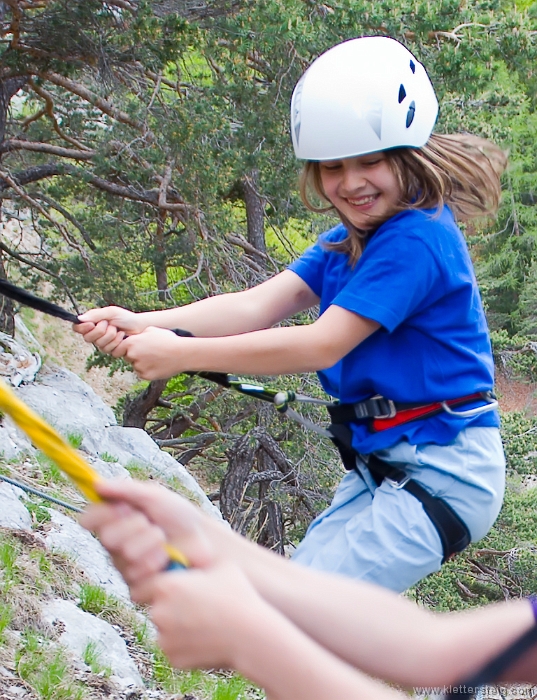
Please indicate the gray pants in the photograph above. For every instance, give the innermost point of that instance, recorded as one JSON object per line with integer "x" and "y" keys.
{"x": 382, "y": 534}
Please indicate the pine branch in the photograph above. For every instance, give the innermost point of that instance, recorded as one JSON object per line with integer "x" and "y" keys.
{"x": 38, "y": 147}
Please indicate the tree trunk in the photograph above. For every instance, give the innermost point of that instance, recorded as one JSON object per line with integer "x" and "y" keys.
{"x": 255, "y": 211}
{"x": 8, "y": 88}
{"x": 7, "y": 315}
{"x": 136, "y": 410}
{"x": 161, "y": 268}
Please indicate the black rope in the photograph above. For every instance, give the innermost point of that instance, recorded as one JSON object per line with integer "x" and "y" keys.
{"x": 30, "y": 489}
{"x": 23, "y": 297}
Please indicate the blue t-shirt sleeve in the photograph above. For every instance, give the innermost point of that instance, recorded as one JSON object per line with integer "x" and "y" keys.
{"x": 310, "y": 267}
{"x": 395, "y": 277}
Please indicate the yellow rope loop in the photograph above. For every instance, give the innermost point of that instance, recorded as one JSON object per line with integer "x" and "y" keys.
{"x": 45, "y": 438}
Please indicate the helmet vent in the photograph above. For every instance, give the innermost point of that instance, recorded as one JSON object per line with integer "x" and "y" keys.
{"x": 410, "y": 114}
{"x": 402, "y": 93}
{"x": 412, "y": 66}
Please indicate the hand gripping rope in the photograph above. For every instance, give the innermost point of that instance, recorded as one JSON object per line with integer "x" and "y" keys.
{"x": 280, "y": 399}
{"x": 45, "y": 438}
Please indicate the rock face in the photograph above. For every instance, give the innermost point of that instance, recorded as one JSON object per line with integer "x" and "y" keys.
{"x": 74, "y": 409}
{"x": 67, "y": 536}
{"x": 13, "y": 513}
{"x": 77, "y": 413}
{"x": 80, "y": 629}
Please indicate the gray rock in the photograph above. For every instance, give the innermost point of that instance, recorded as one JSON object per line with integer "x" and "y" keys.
{"x": 24, "y": 335}
{"x": 69, "y": 537}
{"x": 80, "y": 629}
{"x": 132, "y": 446}
{"x": 16, "y": 362}
{"x": 73, "y": 408}
{"x": 68, "y": 403}
{"x": 12, "y": 441}
{"x": 13, "y": 513}
{"x": 109, "y": 470}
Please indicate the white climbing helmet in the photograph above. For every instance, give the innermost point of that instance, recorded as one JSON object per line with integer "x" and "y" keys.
{"x": 362, "y": 96}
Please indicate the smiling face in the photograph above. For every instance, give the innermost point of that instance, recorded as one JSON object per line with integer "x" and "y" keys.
{"x": 364, "y": 189}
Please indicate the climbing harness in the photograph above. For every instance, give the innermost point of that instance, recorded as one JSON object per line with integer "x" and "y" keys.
{"x": 45, "y": 438}
{"x": 382, "y": 413}
{"x": 379, "y": 412}
{"x": 453, "y": 532}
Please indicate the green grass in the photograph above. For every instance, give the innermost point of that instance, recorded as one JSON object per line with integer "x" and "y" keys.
{"x": 138, "y": 470}
{"x": 9, "y": 552}
{"x": 6, "y": 616}
{"x": 210, "y": 686}
{"x": 92, "y": 657}
{"x": 39, "y": 513}
{"x": 107, "y": 457}
{"x": 52, "y": 474}
{"x": 75, "y": 440}
{"x": 95, "y": 600}
{"x": 45, "y": 669}
{"x": 143, "y": 472}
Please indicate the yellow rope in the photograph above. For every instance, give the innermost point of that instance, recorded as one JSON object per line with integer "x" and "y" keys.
{"x": 48, "y": 441}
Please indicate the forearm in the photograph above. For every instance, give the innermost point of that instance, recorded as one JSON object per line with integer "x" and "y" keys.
{"x": 259, "y": 307}
{"x": 365, "y": 625}
{"x": 291, "y": 666}
{"x": 225, "y": 314}
{"x": 273, "y": 351}
{"x": 362, "y": 624}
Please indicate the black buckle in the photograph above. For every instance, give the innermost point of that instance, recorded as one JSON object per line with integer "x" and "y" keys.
{"x": 377, "y": 407}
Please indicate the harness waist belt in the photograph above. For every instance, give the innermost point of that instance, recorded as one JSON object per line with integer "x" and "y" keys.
{"x": 383, "y": 413}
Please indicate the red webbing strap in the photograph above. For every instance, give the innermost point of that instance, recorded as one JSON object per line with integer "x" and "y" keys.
{"x": 406, "y": 415}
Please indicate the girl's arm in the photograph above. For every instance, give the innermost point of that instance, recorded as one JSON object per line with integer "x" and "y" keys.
{"x": 225, "y": 314}
{"x": 214, "y": 618}
{"x": 368, "y": 627}
{"x": 156, "y": 354}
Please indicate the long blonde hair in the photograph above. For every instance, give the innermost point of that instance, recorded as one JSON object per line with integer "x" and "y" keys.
{"x": 460, "y": 170}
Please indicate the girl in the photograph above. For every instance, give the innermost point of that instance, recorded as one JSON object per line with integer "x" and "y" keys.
{"x": 401, "y": 339}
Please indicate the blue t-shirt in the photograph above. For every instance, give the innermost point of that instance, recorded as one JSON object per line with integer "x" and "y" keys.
{"x": 416, "y": 279}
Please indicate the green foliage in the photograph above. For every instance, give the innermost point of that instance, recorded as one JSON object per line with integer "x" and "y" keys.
{"x": 504, "y": 563}
{"x": 45, "y": 669}
{"x": 202, "y": 101}
{"x": 6, "y": 616}
{"x": 95, "y": 600}
{"x": 92, "y": 657}
{"x": 515, "y": 355}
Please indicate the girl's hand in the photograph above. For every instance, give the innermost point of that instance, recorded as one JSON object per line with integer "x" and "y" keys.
{"x": 205, "y": 618}
{"x": 156, "y": 353}
{"x": 135, "y": 544}
{"x": 107, "y": 327}
{"x": 135, "y": 522}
